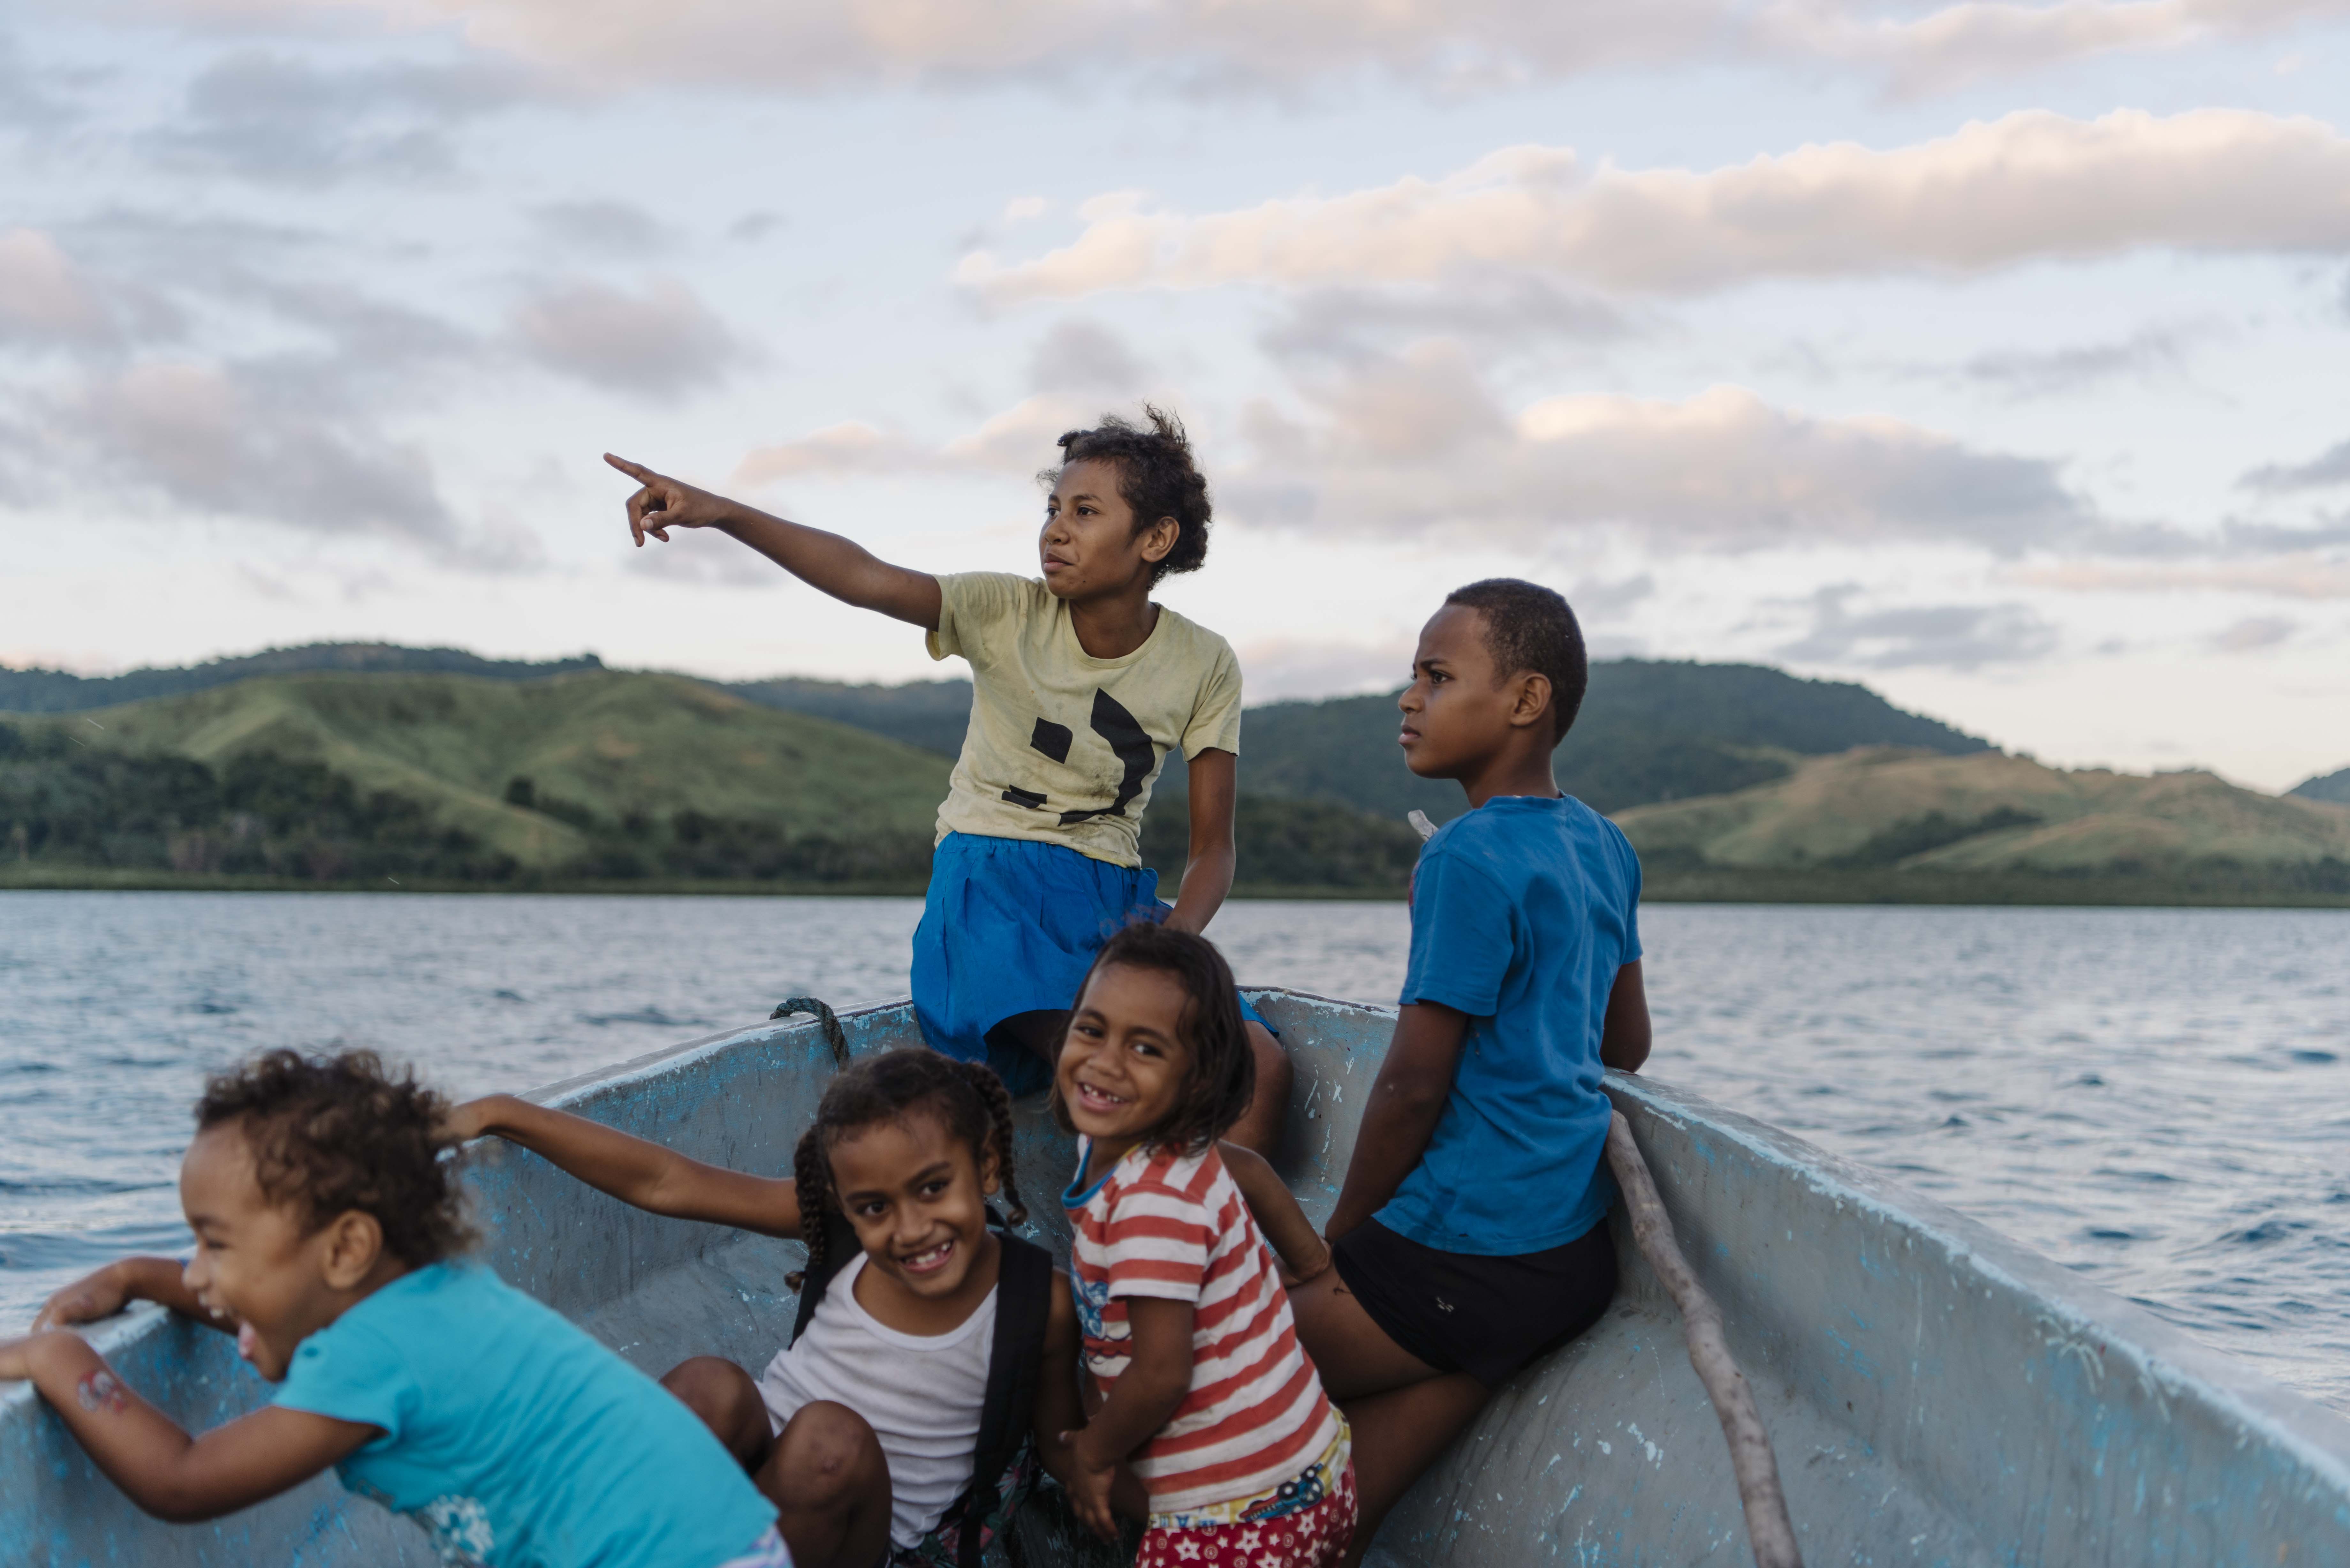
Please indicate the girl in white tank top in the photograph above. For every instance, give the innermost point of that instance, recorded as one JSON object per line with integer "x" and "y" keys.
{"x": 863, "y": 1432}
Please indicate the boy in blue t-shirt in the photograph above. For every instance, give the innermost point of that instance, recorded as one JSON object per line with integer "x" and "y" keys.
{"x": 1470, "y": 1237}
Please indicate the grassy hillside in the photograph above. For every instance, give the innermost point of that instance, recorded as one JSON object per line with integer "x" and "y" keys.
{"x": 550, "y": 772}
{"x": 1987, "y": 815}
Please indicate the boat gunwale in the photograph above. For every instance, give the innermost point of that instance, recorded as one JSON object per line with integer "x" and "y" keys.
{"x": 2168, "y": 1361}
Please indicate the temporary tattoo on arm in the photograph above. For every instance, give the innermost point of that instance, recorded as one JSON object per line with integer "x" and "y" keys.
{"x": 101, "y": 1390}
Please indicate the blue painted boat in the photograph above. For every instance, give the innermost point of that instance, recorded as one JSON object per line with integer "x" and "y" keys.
{"x": 1936, "y": 1394}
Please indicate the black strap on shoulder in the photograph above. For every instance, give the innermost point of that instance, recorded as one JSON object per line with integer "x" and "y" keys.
{"x": 840, "y": 1249}
{"x": 1023, "y": 1305}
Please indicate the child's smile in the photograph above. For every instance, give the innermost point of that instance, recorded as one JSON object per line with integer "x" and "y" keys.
{"x": 917, "y": 1195}
{"x": 1124, "y": 1062}
{"x": 255, "y": 1263}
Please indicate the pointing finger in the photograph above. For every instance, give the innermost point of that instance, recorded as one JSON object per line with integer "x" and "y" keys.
{"x": 636, "y": 470}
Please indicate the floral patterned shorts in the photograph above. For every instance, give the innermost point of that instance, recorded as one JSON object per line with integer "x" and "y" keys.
{"x": 1312, "y": 1537}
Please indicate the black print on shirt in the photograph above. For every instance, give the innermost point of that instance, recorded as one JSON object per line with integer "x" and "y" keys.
{"x": 1051, "y": 738}
{"x": 1126, "y": 739}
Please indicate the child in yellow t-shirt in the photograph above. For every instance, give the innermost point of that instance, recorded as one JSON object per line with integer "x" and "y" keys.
{"x": 1080, "y": 687}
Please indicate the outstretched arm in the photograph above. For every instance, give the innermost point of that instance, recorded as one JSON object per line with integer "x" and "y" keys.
{"x": 1406, "y": 1101}
{"x": 158, "y": 1466}
{"x": 636, "y": 1170}
{"x": 825, "y": 561}
{"x": 1208, "y": 868}
{"x": 1294, "y": 1239}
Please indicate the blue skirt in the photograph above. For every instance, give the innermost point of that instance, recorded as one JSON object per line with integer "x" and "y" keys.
{"x": 1011, "y": 926}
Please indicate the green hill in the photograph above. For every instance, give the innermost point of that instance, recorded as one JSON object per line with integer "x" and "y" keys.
{"x": 2333, "y": 786}
{"x": 1882, "y": 811}
{"x": 591, "y": 773}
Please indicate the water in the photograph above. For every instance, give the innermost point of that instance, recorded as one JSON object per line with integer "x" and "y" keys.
{"x": 2159, "y": 1099}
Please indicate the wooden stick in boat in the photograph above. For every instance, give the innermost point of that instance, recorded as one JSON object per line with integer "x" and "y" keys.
{"x": 1769, "y": 1530}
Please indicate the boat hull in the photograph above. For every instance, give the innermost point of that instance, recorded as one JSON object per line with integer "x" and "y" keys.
{"x": 1936, "y": 1394}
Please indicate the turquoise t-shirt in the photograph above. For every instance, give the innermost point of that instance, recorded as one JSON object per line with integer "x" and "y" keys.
{"x": 515, "y": 1440}
{"x": 1522, "y": 912}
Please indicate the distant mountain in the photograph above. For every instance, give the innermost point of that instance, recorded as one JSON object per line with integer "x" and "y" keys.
{"x": 1648, "y": 731}
{"x": 1888, "y": 809}
{"x": 932, "y": 714}
{"x": 58, "y": 691}
{"x": 2333, "y": 786}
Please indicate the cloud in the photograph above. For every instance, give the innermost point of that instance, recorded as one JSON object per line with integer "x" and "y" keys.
{"x": 2023, "y": 373}
{"x": 2254, "y": 633}
{"x": 280, "y": 120}
{"x": 1950, "y": 47}
{"x": 1453, "y": 47}
{"x": 1951, "y": 637}
{"x": 2295, "y": 577}
{"x": 2032, "y": 185}
{"x": 601, "y": 228}
{"x": 1276, "y": 669}
{"x": 847, "y": 449}
{"x": 1080, "y": 356}
{"x": 754, "y": 226}
{"x": 1506, "y": 312}
{"x": 662, "y": 343}
{"x": 1416, "y": 442}
{"x": 1018, "y": 441}
{"x": 45, "y": 298}
{"x": 2328, "y": 468}
{"x": 215, "y": 440}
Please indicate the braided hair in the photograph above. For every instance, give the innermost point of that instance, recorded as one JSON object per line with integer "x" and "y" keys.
{"x": 968, "y": 1099}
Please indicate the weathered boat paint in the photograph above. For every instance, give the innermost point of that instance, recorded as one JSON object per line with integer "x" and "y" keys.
{"x": 1937, "y": 1395}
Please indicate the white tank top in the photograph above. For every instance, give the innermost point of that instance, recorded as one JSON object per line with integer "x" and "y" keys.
{"x": 922, "y": 1394}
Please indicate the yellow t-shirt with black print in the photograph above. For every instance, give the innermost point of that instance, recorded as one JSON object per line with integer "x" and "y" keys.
{"x": 1063, "y": 747}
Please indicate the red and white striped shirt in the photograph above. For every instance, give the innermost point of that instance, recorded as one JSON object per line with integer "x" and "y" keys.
{"x": 1175, "y": 1226}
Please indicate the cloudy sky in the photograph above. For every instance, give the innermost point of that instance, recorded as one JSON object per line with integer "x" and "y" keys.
{"x": 1997, "y": 355}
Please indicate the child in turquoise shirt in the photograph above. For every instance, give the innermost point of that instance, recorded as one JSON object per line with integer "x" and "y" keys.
{"x": 327, "y": 1232}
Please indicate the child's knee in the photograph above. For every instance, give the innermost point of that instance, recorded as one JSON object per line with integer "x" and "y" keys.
{"x": 828, "y": 1455}
{"x": 726, "y": 1400}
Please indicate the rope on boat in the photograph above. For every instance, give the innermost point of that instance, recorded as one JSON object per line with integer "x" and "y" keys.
{"x": 834, "y": 1035}
{"x": 1769, "y": 1530}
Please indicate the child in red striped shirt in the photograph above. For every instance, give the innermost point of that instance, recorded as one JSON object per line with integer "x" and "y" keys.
{"x": 1210, "y": 1421}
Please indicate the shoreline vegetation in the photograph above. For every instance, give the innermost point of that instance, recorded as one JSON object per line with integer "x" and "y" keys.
{"x": 369, "y": 768}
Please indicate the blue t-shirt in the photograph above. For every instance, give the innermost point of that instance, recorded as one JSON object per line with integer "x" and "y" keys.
{"x": 515, "y": 1440}
{"x": 1522, "y": 912}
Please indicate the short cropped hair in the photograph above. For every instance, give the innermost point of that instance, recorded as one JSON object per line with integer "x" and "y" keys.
{"x": 1531, "y": 627}
{"x": 1156, "y": 476}
{"x": 1222, "y": 1080}
{"x": 334, "y": 1133}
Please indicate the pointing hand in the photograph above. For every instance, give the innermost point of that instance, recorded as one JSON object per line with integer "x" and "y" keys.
{"x": 663, "y": 502}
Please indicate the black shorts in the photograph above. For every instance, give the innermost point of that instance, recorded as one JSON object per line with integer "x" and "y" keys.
{"x": 1484, "y": 1316}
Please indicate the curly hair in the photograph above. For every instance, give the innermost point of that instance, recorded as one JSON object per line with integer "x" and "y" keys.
{"x": 1223, "y": 1078}
{"x": 1531, "y": 627}
{"x": 1156, "y": 476}
{"x": 966, "y": 1096}
{"x": 331, "y": 1134}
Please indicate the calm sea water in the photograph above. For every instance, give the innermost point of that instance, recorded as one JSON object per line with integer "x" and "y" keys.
{"x": 2159, "y": 1099}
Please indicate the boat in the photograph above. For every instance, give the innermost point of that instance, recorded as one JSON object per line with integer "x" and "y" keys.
{"x": 1935, "y": 1394}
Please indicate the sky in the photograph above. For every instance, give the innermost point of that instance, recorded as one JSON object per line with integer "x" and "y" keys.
{"x": 1995, "y": 355}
